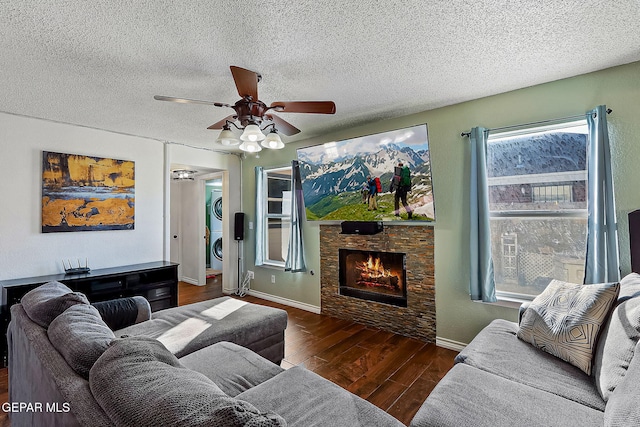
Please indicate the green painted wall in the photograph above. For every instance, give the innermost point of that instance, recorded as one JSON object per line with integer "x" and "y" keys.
{"x": 458, "y": 318}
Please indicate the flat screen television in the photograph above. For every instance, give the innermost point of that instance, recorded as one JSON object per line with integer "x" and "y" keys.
{"x": 334, "y": 177}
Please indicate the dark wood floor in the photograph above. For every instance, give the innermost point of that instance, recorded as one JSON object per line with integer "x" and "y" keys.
{"x": 393, "y": 372}
{"x": 188, "y": 294}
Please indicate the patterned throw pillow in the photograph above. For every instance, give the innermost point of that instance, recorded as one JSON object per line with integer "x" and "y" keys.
{"x": 565, "y": 319}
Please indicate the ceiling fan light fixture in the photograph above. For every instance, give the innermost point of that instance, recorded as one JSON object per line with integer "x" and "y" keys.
{"x": 250, "y": 146}
{"x": 252, "y": 133}
{"x": 183, "y": 175}
{"x": 273, "y": 141}
{"x": 227, "y": 138}
{"x": 251, "y": 112}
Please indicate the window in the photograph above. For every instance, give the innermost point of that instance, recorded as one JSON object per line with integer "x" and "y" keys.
{"x": 538, "y": 207}
{"x": 277, "y": 220}
{"x": 552, "y": 193}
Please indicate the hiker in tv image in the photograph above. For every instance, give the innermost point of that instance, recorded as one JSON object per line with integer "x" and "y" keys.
{"x": 401, "y": 183}
{"x": 373, "y": 192}
{"x": 365, "y": 192}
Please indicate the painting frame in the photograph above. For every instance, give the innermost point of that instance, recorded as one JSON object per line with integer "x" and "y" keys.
{"x": 86, "y": 193}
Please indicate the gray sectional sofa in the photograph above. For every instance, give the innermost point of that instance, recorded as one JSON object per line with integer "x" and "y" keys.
{"x": 215, "y": 363}
{"x": 500, "y": 380}
{"x": 197, "y": 365}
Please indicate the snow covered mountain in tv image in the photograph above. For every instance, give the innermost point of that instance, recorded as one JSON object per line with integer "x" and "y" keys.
{"x": 334, "y": 176}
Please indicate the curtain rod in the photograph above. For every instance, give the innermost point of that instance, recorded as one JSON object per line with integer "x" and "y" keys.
{"x": 542, "y": 122}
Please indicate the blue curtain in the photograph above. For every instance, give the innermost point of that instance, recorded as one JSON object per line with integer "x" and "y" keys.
{"x": 602, "y": 260}
{"x": 260, "y": 215}
{"x": 482, "y": 285}
{"x": 295, "y": 255}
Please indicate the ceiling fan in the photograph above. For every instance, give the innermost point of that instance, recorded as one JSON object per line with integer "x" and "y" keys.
{"x": 252, "y": 113}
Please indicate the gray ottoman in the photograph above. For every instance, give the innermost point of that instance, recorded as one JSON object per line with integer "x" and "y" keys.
{"x": 192, "y": 327}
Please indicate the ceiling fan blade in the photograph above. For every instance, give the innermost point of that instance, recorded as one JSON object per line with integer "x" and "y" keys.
{"x": 317, "y": 107}
{"x": 188, "y": 101}
{"x": 246, "y": 82}
{"x": 221, "y": 123}
{"x": 283, "y": 125}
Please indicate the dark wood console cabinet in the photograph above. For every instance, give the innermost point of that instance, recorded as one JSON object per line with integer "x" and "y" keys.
{"x": 156, "y": 281}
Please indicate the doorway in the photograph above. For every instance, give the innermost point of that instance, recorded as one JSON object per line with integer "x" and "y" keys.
{"x": 197, "y": 224}
{"x": 214, "y": 248}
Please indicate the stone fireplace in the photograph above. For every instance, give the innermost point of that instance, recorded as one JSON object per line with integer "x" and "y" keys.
{"x": 402, "y": 304}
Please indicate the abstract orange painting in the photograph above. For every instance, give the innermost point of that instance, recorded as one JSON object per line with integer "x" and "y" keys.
{"x": 84, "y": 193}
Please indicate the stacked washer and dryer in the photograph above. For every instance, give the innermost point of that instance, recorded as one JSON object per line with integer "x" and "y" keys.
{"x": 215, "y": 241}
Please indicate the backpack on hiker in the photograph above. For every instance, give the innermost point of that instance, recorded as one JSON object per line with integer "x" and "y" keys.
{"x": 405, "y": 177}
{"x": 378, "y": 184}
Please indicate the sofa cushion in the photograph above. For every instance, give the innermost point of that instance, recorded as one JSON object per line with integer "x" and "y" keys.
{"x": 305, "y": 399}
{"x": 617, "y": 346}
{"x": 622, "y": 407}
{"x": 80, "y": 336}
{"x": 189, "y": 328}
{"x": 233, "y": 368}
{"x": 46, "y": 302}
{"x": 38, "y": 373}
{"x": 137, "y": 381}
{"x": 497, "y": 350}
{"x": 629, "y": 287}
{"x": 467, "y": 396}
{"x": 566, "y": 318}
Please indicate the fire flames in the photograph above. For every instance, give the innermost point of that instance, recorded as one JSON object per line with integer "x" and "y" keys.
{"x": 372, "y": 268}
{"x": 374, "y": 275}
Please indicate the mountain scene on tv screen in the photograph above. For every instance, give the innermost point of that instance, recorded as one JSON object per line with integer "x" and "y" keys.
{"x": 334, "y": 176}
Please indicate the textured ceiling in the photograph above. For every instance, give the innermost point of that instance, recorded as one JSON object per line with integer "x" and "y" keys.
{"x": 98, "y": 64}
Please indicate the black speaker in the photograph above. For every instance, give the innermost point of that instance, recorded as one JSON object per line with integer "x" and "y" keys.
{"x": 238, "y": 226}
{"x": 634, "y": 240}
{"x": 361, "y": 227}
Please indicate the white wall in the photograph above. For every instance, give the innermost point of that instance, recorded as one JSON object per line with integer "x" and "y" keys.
{"x": 24, "y": 250}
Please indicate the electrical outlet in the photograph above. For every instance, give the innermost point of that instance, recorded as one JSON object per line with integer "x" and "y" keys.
{"x": 250, "y": 274}
{"x": 273, "y": 278}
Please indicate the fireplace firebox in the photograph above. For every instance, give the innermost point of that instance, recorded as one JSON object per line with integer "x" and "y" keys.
{"x": 373, "y": 276}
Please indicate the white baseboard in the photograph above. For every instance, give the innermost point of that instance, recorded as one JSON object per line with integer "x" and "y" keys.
{"x": 450, "y": 344}
{"x": 285, "y": 301}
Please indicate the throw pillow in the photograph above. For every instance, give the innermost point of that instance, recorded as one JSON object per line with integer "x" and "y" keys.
{"x": 138, "y": 382}
{"x": 122, "y": 312}
{"x": 565, "y": 319}
{"x": 46, "y": 302}
{"x": 80, "y": 336}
